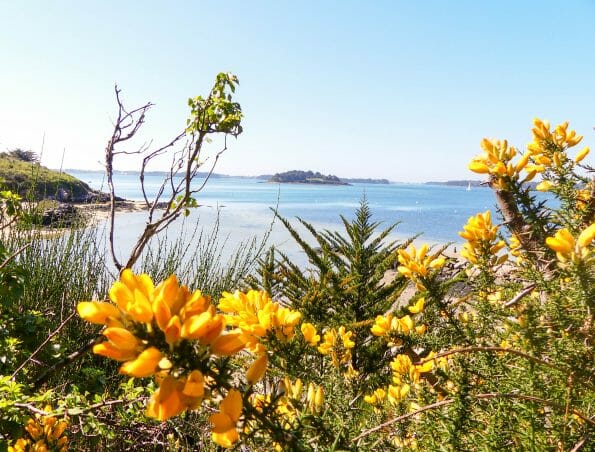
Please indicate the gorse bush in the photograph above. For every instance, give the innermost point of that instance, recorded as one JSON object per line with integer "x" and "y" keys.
{"x": 488, "y": 352}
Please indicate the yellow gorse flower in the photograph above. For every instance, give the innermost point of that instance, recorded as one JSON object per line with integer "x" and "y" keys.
{"x": 497, "y": 162}
{"x": 568, "y": 248}
{"x": 257, "y": 370}
{"x": 176, "y": 395}
{"x": 140, "y": 306}
{"x": 224, "y": 423}
{"x": 543, "y": 138}
{"x": 376, "y": 398}
{"x": 346, "y": 337}
{"x": 310, "y": 335}
{"x": 418, "y": 306}
{"x": 403, "y": 366}
{"x": 167, "y": 317}
{"x": 337, "y": 344}
{"x": 482, "y": 244}
{"x": 314, "y": 398}
{"x": 43, "y": 433}
{"x": 581, "y": 155}
{"x": 583, "y": 198}
{"x": 417, "y": 265}
{"x": 290, "y": 401}
{"x": 397, "y": 393}
{"x": 395, "y": 328}
{"x": 548, "y": 149}
{"x": 256, "y": 315}
{"x": 545, "y": 185}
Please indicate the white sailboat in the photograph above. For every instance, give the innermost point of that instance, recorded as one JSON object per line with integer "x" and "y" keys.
{"x": 469, "y": 186}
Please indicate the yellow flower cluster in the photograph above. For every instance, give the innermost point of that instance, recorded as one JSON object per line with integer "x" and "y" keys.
{"x": 482, "y": 244}
{"x": 394, "y": 328}
{"x": 568, "y": 249}
{"x": 418, "y": 266}
{"x": 293, "y": 396}
{"x": 44, "y": 433}
{"x": 176, "y": 395}
{"x": 337, "y": 343}
{"x": 547, "y": 150}
{"x": 149, "y": 328}
{"x": 583, "y": 197}
{"x": 497, "y": 161}
{"x": 403, "y": 369}
{"x": 548, "y": 147}
{"x": 256, "y": 315}
{"x": 145, "y": 324}
{"x": 139, "y": 308}
{"x": 403, "y": 366}
{"x": 288, "y": 403}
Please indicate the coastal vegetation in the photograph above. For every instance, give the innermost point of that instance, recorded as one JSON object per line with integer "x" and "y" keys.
{"x": 21, "y": 173}
{"x": 376, "y": 345}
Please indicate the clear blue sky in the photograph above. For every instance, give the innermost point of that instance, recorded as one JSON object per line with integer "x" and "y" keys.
{"x": 398, "y": 89}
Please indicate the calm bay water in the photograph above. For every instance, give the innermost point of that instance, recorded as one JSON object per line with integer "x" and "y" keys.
{"x": 437, "y": 211}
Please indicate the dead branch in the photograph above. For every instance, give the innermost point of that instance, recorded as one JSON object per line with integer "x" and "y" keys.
{"x": 125, "y": 127}
{"x": 14, "y": 255}
{"x": 64, "y": 362}
{"x": 522, "y": 294}
{"x": 445, "y": 402}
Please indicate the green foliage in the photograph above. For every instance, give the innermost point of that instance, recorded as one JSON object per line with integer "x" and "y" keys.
{"x": 345, "y": 282}
{"x": 217, "y": 113}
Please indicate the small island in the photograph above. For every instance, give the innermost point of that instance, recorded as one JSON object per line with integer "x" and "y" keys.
{"x": 306, "y": 177}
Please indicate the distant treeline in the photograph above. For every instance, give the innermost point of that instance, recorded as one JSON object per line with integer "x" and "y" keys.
{"x": 459, "y": 183}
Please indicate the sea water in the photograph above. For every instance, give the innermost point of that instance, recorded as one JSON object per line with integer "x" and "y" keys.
{"x": 245, "y": 208}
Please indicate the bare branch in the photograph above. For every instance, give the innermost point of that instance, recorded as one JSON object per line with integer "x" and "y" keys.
{"x": 77, "y": 411}
{"x": 522, "y": 294}
{"x": 580, "y": 443}
{"x": 64, "y": 362}
{"x": 43, "y": 344}
{"x": 476, "y": 396}
{"x": 13, "y": 255}
{"x": 497, "y": 350}
{"x": 126, "y": 120}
